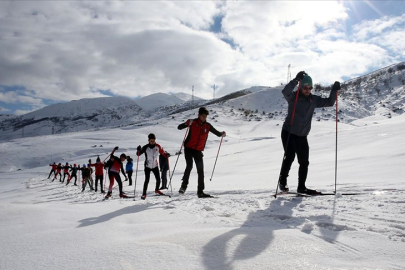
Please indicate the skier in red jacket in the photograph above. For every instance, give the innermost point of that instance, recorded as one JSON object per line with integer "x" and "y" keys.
{"x": 99, "y": 174}
{"x": 53, "y": 170}
{"x": 58, "y": 172}
{"x": 193, "y": 147}
{"x": 66, "y": 172}
{"x": 114, "y": 167}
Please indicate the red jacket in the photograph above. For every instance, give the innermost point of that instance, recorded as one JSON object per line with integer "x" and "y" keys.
{"x": 198, "y": 133}
{"x": 54, "y": 166}
{"x": 99, "y": 168}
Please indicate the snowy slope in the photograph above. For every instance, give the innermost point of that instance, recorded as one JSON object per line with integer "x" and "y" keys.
{"x": 48, "y": 225}
{"x": 73, "y": 116}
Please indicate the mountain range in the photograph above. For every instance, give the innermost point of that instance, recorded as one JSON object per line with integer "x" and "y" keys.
{"x": 381, "y": 92}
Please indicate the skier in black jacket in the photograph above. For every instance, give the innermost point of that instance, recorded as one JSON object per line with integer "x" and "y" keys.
{"x": 294, "y": 137}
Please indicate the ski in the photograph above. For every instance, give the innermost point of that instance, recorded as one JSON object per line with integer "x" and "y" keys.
{"x": 167, "y": 195}
{"x": 296, "y": 194}
{"x": 126, "y": 197}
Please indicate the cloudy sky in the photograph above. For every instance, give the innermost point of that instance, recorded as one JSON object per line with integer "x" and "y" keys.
{"x": 56, "y": 51}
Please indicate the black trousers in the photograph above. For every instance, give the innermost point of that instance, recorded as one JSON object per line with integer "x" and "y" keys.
{"x": 75, "y": 176}
{"x": 297, "y": 145}
{"x": 101, "y": 178}
{"x": 129, "y": 173}
{"x": 52, "y": 171}
{"x": 164, "y": 178}
{"x": 147, "y": 177}
{"x": 189, "y": 155}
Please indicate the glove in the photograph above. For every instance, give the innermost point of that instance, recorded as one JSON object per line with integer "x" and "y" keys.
{"x": 167, "y": 154}
{"x": 336, "y": 86}
{"x": 300, "y": 75}
{"x": 116, "y": 148}
{"x": 223, "y": 133}
{"x": 139, "y": 148}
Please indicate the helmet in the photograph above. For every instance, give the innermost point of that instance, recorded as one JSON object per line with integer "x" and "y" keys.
{"x": 67, "y": 163}
{"x": 84, "y": 165}
{"x": 74, "y": 165}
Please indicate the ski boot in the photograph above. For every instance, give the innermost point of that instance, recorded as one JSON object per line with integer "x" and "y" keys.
{"x": 108, "y": 195}
{"x": 182, "y": 190}
{"x": 283, "y": 188}
{"x": 203, "y": 195}
{"x": 143, "y": 197}
{"x": 307, "y": 191}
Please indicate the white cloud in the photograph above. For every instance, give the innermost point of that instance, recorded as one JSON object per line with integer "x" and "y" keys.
{"x": 63, "y": 50}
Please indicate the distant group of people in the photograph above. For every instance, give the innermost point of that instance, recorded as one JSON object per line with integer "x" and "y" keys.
{"x": 301, "y": 105}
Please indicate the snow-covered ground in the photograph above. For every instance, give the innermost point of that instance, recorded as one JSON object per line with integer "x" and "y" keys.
{"x": 47, "y": 225}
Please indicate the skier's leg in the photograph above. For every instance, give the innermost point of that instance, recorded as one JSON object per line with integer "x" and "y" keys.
{"x": 157, "y": 177}
{"x": 147, "y": 177}
{"x": 199, "y": 163}
{"x": 303, "y": 160}
{"x": 164, "y": 178}
{"x": 130, "y": 177}
{"x": 101, "y": 183}
{"x": 189, "y": 166}
{"x": 112, "y": 178}
{"x": 96, "y": 183}
{"x": 118, "y": 179}
{"x": 289, "y": 155}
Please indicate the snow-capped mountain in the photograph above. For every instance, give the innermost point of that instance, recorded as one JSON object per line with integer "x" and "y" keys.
{"x": 381, "y": 92}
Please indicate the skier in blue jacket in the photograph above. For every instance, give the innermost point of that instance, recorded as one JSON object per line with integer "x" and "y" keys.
{"x": 129, "y": 169}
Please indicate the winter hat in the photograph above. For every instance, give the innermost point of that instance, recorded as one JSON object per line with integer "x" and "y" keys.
{"x": 98, "y": 159}
{"x": 74, "y": 165}
{"x": 306, "y": 81}
{"x": 203, "y": 110}
{"x": 123, "y": 155}
{"x": 84, "y": 165}
{"x": 151, "y": 136}
{"x": 67, "y": 163}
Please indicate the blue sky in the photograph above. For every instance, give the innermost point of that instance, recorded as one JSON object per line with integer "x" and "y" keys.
{"x": 57, "y": 51}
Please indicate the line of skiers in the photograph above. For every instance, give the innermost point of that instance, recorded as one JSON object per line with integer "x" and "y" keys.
{"x": 155, "y": 157}
{"x": 301, "y": 104}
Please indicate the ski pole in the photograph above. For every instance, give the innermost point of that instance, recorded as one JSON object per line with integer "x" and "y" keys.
{"x": 336, "y": 144}
{"x": 216, "y": 158}
{"x": 115, "y": 148}
{"x": 175, "y": 164}
{"x": 136, "y": 176}
{"x": 288, "y": 138}
{"x": 168, "y": 166}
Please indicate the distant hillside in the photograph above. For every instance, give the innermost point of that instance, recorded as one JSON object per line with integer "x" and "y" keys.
{"x": 76, "y": 115}
{"x": 154, "y": 101}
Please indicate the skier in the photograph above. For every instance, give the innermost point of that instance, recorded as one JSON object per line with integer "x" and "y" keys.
{"x": 294, "y": 137}
{"x": 73, "y": 170}
{"x": 193, "y": 147}
{"x": 164, "y": 167}
{"x": 58, "y": 172}
{"x": 91, "y": 173}
{"x": 114, "y": 165}
{"x": 129, "y": 169}
{"x": 66, "y": 172}
{"x": 152, "y": 151}
{"x": 53, "y": 169}
{"x": 99, "y": 174}
{"x": 86, "y": 177}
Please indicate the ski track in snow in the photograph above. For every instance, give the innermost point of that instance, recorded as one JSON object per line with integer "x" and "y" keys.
{"x": 311, "y": 215}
